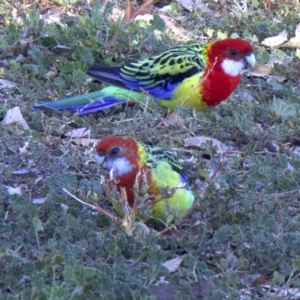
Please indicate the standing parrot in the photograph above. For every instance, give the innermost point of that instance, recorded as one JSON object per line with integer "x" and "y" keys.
{"x": 199, "y": 75}
{"x": 133, "y": 164}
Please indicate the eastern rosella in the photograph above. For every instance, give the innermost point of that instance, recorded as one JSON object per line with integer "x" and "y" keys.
{"x": 133, "y": 164}
{"x": 197, "y": 75}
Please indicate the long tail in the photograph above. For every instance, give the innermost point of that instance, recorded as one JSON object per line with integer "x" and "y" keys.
{"x": 92, "y": 102}
{"x": 107, "y": 75}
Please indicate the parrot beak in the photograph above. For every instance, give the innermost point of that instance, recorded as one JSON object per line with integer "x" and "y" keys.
{"x": 100, "y": 158}
{"x": 250, "y": 59}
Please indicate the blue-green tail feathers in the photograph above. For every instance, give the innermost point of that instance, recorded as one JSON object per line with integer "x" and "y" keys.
{"x": 92, "y": 102}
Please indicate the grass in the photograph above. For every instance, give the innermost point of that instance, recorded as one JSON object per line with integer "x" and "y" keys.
{"x": 242, "y": 240}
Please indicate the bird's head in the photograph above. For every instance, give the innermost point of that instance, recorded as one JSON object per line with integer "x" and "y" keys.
{"x": 117, "y": 154}
{"x": 232, "y": 55}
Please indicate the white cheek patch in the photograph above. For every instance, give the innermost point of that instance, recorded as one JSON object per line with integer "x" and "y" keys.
{"x": 120, "y": 166}
{"x": 232, "y": 67}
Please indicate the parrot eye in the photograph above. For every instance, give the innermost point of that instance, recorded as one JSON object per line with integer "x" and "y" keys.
{"x": 115, "y": 150}
{"x": 233, "y": 52}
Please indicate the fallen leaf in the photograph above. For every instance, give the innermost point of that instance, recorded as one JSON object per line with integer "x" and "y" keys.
{"x": 259, "y": 280}
{"x": 83, "y": 141}
{"x": 14, "y": 190}
{"x": 262, "y": 69}
{"x": 192, "y": 5}
{"x": 7, "y": 84}
{"x": 293, "y": 42}
{"x": 64, "y": 208}
{"x": 277, "y": 78}
{"x": 50, "y": 74}
{"x": 131, "y": 12}
{"x": 53, "y": 71}
{"x": 173, "y": 119}
{"x": 197, "y": 142}
{"x": 78, "y": 133}
{"x": 40, "y": 200}
{"x": 275, "y": 40}
{"x": 267, "y": 71}
{"x": 172, "y": 264}
{"x": 24, "y": 149}
{"x": 246, "y": 96}
{"x": 14, "y": 117}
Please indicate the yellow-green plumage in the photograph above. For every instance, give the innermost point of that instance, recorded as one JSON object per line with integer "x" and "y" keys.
{"x": 133, "y": 163}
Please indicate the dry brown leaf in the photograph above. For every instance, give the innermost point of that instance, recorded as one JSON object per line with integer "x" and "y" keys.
{"x": 50, "y": 74}
{"x": 173, "y": 119}
{"x": 265, "y": 72}
{"x": 259, "y": 280}
{"x": 275, "y": 40}
{"x": 131, "y": 12}
{"x": 53, "y": 71}
{"x": 293, "y": 42}
{"x": 262, "y": 69}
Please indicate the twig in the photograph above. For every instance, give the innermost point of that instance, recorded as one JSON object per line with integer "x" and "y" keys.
{"x": 95, "y": 207}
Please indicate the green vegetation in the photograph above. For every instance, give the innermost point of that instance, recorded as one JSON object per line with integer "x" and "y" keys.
{"x": 242, "y": 239}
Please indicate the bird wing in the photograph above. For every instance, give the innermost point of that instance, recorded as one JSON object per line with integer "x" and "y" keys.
{"x": 157, "y": 154}
{"x": 161, "y": 74}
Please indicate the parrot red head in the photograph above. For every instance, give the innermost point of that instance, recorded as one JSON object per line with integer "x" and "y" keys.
{"x": 232, "y": 55}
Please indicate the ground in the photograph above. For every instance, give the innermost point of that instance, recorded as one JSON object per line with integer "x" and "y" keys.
{"x": 242, "y": 239}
